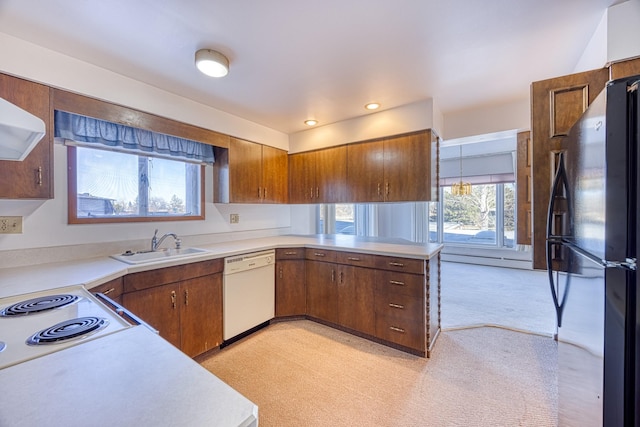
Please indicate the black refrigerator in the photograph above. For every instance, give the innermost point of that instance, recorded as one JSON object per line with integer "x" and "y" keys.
{"x": 592, "y": 240}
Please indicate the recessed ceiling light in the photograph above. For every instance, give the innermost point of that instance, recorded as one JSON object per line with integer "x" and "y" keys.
{"x": 212, "y": 63}
{"x": 310, "y": 122}
{"x": 372, "y": 106}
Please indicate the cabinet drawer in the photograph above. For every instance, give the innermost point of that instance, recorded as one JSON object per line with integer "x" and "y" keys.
{"x": 113, "y": 288}
{"x": 152, "y": 278}
{"x": 405, "y": 265}
{"x": 320, "y": 255}
{"x": 357, "y": 259}
{"x": 290, "y": 253}
{"x": 388, "y": 282}
{"x": 398, "y": 306}
{"x": 400, "y": 331}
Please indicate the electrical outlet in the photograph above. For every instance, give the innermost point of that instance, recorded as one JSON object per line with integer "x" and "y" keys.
{"x": 234, "y": 218}
{"x": 10, "y": 225}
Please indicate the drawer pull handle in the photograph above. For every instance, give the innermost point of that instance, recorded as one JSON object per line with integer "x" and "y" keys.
{"x": 392, "y": 305}
{"x": 173, "y": 299}
{"x": 396, "y": 264}
{"x": 395, "y": 282}
{"x": 40, "y": 176}
{"x": 396, "y": 329}
{"x": 352, "y": 258}
{"x": 108, "y": 291}
{"x": 319, "y": 254}
{"x": 291, "y": 253}
{"x": 186, "y": 297}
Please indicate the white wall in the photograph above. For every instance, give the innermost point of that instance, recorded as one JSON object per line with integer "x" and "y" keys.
{"x": 623, "y": 31}
{"x": 45, "y": 222}
{"x": 407, "y": 118}
{"x": 595, "y": 54}
{"x": 33, "y": 62}
{"x": 488, "y": 119}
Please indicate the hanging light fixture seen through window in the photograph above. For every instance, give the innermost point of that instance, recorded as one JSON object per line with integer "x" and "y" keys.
{"x": 461, "y": 188}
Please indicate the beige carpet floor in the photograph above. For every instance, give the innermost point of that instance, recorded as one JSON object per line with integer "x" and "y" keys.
{"x": 301, "y": 373}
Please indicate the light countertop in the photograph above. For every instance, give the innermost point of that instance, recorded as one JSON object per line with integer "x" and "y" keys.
{"x": 134, "y": 377}
{"x": 95, "y": 271}
{"x": 129, "y": 378}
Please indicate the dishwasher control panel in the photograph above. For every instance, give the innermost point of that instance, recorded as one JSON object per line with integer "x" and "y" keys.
{"x": 244, "y": 262}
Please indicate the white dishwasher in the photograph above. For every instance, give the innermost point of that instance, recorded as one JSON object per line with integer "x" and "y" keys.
{"x": 248, "y": 292}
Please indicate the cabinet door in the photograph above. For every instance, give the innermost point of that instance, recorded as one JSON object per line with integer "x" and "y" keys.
{"x": 365, "y": 171}
{"x": 159, "y": 307}
{"x": 245, "y": 171}
{"x": 356, "y": 298}
{"x": 556, "y": 104}
{"x": 407, "y": 167}
{"x": 322, "y": 292}
{"x": 275, "y": 175}
{"x": 31, "y": 178}
{"x": 302, "y": 178}
{"x": 290, "y": 288}
{"x": 524, "y": 190}
{"x": 331, "y": 175}
{"x": 201, "y": 314}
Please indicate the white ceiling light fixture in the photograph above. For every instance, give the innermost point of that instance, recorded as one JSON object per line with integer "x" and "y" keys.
{"x": 310, "y": 122}
{"x": 372, "y": 106}
{"x": 212, "y": 63}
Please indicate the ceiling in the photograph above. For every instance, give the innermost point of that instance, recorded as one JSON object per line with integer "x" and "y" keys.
{"x": 292, "y": 59}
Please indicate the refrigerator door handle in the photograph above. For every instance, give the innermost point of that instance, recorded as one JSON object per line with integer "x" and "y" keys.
{"x": 627, "y": 264}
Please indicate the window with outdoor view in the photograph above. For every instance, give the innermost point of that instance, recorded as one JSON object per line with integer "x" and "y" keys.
{"x": 118, "y": 173}
{"x": 114, "y": 185}
{"x": 484, "y": 217}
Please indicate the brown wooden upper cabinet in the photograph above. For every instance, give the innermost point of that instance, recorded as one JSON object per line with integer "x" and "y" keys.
{"x": 556, "y": 104}
{"x": 318, "y": 176}
{"x": 251, "y": 173}
{"x": 394, "y": 169}
{"x": 31, "y": 178}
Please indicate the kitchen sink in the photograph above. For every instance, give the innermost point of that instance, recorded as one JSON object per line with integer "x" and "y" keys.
{"x": 143, "y": 257}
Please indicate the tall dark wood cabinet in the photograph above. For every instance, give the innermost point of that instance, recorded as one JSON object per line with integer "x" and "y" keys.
{"x": 556, "y": 104}
{"x": 31, "y": 178}
{"x": 524, "y": 191}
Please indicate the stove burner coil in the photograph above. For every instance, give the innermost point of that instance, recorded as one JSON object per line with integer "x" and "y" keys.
{"x": 39, "y": 304}
{"x": 68, "y": 330}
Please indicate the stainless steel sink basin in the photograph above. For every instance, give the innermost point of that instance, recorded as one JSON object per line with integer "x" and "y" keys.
{"x": 143, "y": 257}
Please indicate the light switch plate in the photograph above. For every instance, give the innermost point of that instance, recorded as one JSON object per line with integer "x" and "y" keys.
{"x": 234, "y": 218}
{"x": 10, "y": 225}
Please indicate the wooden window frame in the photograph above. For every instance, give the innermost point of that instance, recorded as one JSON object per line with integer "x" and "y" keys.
{"x": 72, "y": 200}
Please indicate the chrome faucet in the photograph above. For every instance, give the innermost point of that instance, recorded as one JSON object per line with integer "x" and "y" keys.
{"x": 155, "y": 242}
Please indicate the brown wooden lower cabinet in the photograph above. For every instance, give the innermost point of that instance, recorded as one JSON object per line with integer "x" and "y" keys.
{"x": 291, "y": 289}
{"x": 322, "y": 290}
{"x": 396, "y": 300}
{"x": 355, "y": 298}
{"x": 187, "y": 311}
